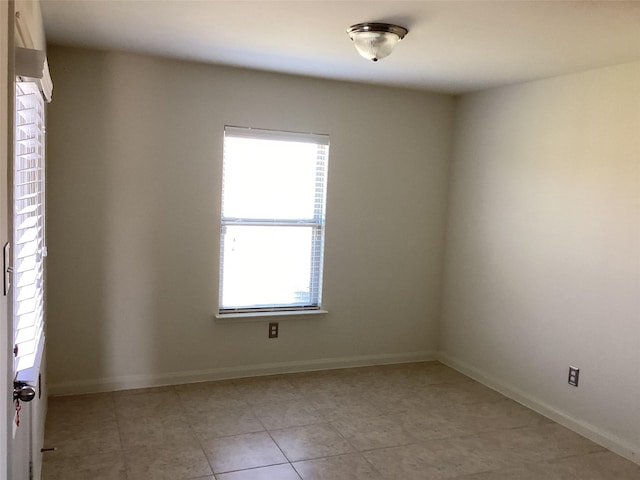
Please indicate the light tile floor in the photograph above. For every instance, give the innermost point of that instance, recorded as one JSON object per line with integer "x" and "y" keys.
{"x": 413, "y": 421}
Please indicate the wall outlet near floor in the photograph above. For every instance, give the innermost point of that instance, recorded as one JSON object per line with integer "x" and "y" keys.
{"x": 273, "y": 330}
{"x": 574, "y": 374}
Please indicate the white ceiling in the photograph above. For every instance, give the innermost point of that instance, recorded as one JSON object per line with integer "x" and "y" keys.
{"x": 452, "y": 46}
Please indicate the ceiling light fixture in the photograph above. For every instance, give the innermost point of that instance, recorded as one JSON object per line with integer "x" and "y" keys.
{"x": 375, "y": 41}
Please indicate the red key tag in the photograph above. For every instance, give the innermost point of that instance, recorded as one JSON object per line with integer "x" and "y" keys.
{"x": 18, "y": 408}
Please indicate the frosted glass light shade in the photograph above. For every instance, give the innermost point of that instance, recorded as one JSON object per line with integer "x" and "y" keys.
{"x": 375, "y": 41}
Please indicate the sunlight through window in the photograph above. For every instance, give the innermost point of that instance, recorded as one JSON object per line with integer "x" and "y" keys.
{"x": 273, "y": 218}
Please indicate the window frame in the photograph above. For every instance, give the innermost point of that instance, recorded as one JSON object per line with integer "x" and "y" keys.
{"x": 317, "y": 223}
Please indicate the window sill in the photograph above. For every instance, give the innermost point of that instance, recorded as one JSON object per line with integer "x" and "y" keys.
{"x": 265, "y": 316}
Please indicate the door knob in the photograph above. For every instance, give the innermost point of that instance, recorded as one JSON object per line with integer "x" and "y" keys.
{"x": 23, "y": 392}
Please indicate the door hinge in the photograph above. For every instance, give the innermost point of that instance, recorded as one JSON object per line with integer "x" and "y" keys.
{"x": 7, "y": 269}
{"x": 30, "y": 470}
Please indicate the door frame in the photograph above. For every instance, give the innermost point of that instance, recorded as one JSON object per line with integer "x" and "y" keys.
{"x": 7, "y": 12}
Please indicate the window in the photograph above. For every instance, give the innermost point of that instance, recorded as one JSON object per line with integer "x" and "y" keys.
{"x": 273, "y": 221}
{"x": 28, "y": 230}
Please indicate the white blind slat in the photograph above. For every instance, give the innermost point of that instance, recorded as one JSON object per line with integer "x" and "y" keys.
{"x": 275, "y": 135}
{"x": 28, "y": 222}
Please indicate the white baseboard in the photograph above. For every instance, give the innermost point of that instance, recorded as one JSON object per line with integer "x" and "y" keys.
{"x": 223, "y": 373}
{"x": 593, "y": 433}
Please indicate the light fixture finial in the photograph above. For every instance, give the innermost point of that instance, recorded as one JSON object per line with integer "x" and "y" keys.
{"x": 374, "y": 41}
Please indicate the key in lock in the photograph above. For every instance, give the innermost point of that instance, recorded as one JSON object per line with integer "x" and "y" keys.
{"x": 23, "y": 392}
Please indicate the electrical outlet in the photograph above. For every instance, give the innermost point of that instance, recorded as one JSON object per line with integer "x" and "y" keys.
{"x": 273, "y": 330}
{"x": 574, "y": 374}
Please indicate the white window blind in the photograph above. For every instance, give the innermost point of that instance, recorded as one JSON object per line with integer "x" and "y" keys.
{"x": 28, "y": 230}
{"x": 273, "y": 220}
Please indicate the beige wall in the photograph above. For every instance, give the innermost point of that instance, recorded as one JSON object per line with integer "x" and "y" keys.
{"x": 31, "y": 16}
{"x": 135, "y": 146}
{"x": 543, "y": 248}
{"x": 542, "y": 267}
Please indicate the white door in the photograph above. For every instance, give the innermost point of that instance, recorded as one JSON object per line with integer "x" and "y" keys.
{"x": 19, "y": 448}
{"x": 15, "y": 441}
